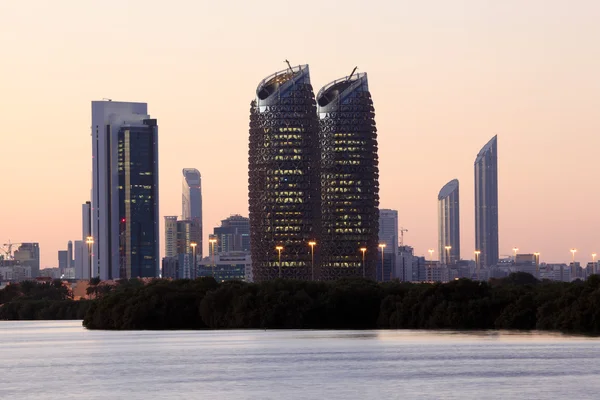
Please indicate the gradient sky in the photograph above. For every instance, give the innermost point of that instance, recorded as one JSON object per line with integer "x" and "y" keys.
{"x": 445, "y": 76}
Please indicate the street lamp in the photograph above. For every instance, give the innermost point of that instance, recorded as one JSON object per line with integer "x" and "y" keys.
{"x": 279, "y": 248}
{"x": 382, "y": 246}
{"x": 573, "y": 271}
{"x": 90, "y": 241}
{"x": 312, "y": 244}
{"x": 477, "y": 253}
{"x": 430, "y": 254}
{"x": 212, "y": 243}
{"x": 515, "y": 252}
{"x": 363, "y": 250}
{"x": 193, "y": 274}
{"x": 537, "y": 264}
{"x": 447, "y": 254}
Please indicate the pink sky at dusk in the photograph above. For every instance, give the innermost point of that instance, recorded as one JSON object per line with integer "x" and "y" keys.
{"x": 445, "y": 76}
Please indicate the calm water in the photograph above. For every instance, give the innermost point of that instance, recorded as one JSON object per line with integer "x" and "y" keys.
{"x": 61, "y": 360}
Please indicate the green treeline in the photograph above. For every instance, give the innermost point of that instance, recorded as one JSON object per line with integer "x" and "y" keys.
{"x": 517, "y": 302}
{"x": 31, "y": 300}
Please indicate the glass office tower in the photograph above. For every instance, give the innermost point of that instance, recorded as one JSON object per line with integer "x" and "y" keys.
{"x": 283, "y": 178}
{"x": 349, "y": 179}
{"x": 137, "y": 160}
{"x": 449, "y": 223}
{"x": 486, "y": 203}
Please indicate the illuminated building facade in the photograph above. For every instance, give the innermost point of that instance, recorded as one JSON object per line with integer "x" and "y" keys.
{"x": 349, "y": 176}
{"x": 284, "y": 193}
{"x": 486, "y": 203}
{"x": 449, "y": 223}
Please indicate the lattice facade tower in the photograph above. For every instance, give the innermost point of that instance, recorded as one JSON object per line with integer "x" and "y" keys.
{"x": 349, "y": 179}
{"x": 283, "y": 175}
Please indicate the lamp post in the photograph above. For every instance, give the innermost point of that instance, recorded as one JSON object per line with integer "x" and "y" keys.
{"x": 537, "y": 264}
{"x": 312, "y": 244}
{"x": 594, "y": 263}
{"x": 363, "y": 250}
{"x": 573, "y": 270}
{"x": 279, "y": 248}
{"x": 382, "y": 246}
{"x": 477, "y": 253}
{"x": 193, "y": 274}
{"x": 448, "y": 254}
{"x": 90, "y": 241}
{"x": 515, "y": 249}
{"x": 430, "y": 254}
{"x": 212, "y": 243}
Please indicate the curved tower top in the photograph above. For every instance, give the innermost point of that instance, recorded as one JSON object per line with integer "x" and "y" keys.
{"x": 489, "y": 147}
{"x": 279, "y": 84}
{"x": 448, "y": 189}
{"x": 192, "y": 177}
{"x": 334, "y": 93}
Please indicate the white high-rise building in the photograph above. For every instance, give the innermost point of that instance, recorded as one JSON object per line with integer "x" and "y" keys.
{"x": 125, "y": 223}
{"x": 191, "y": 203}
{"x": 86, "y": 232}
{"x": 170, "y": 236}
{"x": 81, "y": 257}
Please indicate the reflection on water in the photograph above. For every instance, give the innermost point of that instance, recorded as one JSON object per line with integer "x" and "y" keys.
{"x": 61, "y": 360}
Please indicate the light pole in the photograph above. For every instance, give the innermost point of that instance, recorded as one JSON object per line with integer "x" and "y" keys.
{"x": 594, "y": 263}
{"x": 382, "y": 246}
{"x": 312, "y": 244}
{"x": 279, "y": 248}
{"x": 90, "y": 241}
{"x": 515, "y": 249}
{"x": 363, "y": 250}
{"x": 537, "y": 264}
{"x": 477, "y": 253}
{"x": 573, "y": 271}
{"x": 448, "y": 254}
{"x": 193, "y": 244}
{"x": 212, "y": 243}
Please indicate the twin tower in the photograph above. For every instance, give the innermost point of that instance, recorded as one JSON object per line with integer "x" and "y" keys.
{"x": 313, "y": 178}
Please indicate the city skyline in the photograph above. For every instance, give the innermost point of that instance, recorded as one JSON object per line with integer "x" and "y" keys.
{"x": 464, "y": 74}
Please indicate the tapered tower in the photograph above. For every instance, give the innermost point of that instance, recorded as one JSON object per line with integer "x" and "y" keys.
{"x": 283, "y": 178}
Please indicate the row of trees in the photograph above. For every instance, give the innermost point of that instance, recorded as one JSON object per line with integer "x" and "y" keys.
{"x": 517, "y": 302}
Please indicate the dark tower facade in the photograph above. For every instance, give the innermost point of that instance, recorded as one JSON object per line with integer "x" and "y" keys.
{"x": 349, "y": 179}
{"x": 486, "y": 203}
{"x": 283, "y": 177}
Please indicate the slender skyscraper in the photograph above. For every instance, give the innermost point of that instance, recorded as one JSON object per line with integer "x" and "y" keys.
{"x": 86, "y": 232}
{"x": 349, "y": 179}
{"x": 70, "y": 254}
{"x": 388, "y": 236}
{"x": 486, "y": 203}
{"x": 191, "y": 205}
{"x": 284, "y": 195}
{"x": 124, "y": 190}
{"x": 449, "y": 223}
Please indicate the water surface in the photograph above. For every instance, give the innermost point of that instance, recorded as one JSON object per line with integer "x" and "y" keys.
{"x": 62, "y": 360}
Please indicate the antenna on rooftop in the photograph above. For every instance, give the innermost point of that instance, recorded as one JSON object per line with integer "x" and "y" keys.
{"x": 289, "y": 66}
{"x": 352, "y": 73}
{"x": 107, "y": 99}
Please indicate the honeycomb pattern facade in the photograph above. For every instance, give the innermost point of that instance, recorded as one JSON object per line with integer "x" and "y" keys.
{"x": 283, "y": 181}
{"x": 349, "y": 179}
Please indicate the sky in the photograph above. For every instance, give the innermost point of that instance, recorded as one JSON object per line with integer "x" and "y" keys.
{"x": 445, "y": 76}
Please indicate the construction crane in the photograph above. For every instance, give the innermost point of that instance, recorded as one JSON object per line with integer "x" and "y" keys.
{"x": 402, "y": 230}
{"x": 7, "y": 249}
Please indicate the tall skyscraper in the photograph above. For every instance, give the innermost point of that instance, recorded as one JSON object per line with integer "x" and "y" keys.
{"x": 80, "y": 257}
{"x": 86, "y": 232}
{"x": 191, "y": 204}
{"x": 70, "y": 254}
{"x": 63, "y": 261}
{"x": 124, "y": 190}
{"x": 233, "y": 235}
{"x": 349, "y": 179}
{"x": 449, "y": 223}
{"x": 486, "y": 203}
{"x": 388, "y": 235}
{"x": 170, "y": 236}
{"x": 284, "y": 193}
